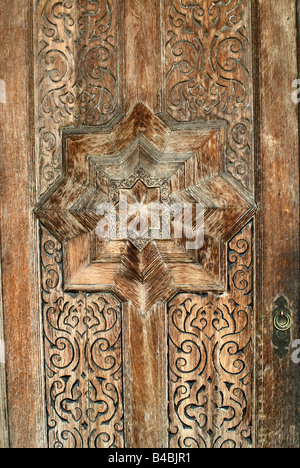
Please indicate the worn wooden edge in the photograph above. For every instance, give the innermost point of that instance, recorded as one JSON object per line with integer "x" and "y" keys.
{"x": 4, "y": 435}
{"x": 257, "y": 307}
{"x": 33, "y": 171}
{"x": 277, "y": 185}
{"x": 19, "y": 231}
{"x": 298, "y": 318}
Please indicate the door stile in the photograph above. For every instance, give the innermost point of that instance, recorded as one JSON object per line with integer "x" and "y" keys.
{"x": 21, "y": 314}
{"x": 145, "y": 377}
{"x": 4, "y": 436}
{"x": 279, "y": 230}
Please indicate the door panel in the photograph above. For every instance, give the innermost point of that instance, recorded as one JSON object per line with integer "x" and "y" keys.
{"x": 205, "y": 66}
{"x": 138, "y": 337}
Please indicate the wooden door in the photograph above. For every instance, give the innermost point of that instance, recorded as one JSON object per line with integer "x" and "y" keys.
{"x": 136, "y": 340}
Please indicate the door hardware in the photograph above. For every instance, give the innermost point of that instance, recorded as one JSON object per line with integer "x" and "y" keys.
{"x": 282, "y": 323}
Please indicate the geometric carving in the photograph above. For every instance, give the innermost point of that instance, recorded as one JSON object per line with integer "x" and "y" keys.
{"x": 210, "y": 348}
{"x": 83, "y": 361}
{"x": 141, "y": 155}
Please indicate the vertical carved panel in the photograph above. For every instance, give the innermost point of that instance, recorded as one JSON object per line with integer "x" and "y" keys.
{"x": 83, "y": 362}
{"x": 196, "y": 147}
{"x": 210, "y": 359}
{"x": 208, "y": 67}
{"x": 78, "y": 72}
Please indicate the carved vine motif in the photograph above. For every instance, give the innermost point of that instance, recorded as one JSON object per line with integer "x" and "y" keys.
{"x": 208, "y": 71}
{"x": 83, "y": 362}
{"x": 210, "y": 359}
{"x": 77, "y": 72}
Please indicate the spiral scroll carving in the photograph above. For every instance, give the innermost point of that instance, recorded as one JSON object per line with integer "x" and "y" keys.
{"x": 77, "y": 73}
{"x": 83, "y": 362}
{"x": 208, "y": 69}
{"x": 210, "y": 341}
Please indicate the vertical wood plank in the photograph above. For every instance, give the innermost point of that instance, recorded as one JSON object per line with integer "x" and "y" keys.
{"x": 298, "y": 321}
{"x": 280, "y": 215}
{"x": 4, "y": 437}
{"x": 140, "y": 37}
{"x": 145, "y": 403}
{"x": 15, "y": 230}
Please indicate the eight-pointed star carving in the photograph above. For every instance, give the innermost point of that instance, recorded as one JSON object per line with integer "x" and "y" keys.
{"x": 147, "y": 159}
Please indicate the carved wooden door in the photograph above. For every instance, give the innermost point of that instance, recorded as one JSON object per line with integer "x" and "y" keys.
{"x": 134, "y": 330}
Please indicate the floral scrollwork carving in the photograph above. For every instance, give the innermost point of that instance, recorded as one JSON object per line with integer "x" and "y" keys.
{"x": 77, "y": 73}
{"x": 210, "y": 359}
{"x": 83, "y": 362}
{"x": 208, "y": 71}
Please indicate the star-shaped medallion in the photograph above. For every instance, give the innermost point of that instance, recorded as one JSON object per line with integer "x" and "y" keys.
{"x": 144, "y": 160}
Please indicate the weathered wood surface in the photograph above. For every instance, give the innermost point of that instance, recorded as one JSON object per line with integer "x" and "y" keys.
{"x": 18, "y": 248}
{"x": 4, "y": 437}
{"x": 145, "y": 368}
{"x": 278, "y": 225}
{"x": 156, "y": 100}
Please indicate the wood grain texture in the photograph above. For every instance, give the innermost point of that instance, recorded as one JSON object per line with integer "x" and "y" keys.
{"x": 280, "y": 217}
{"x": 145, "y": 396}
{"x": 145, "y": 161}
{"x": 20, "y": 319}
{"x": 139, "y": 58}
{"x": 4, "y": 436}
{"x": 138, "y": 342}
